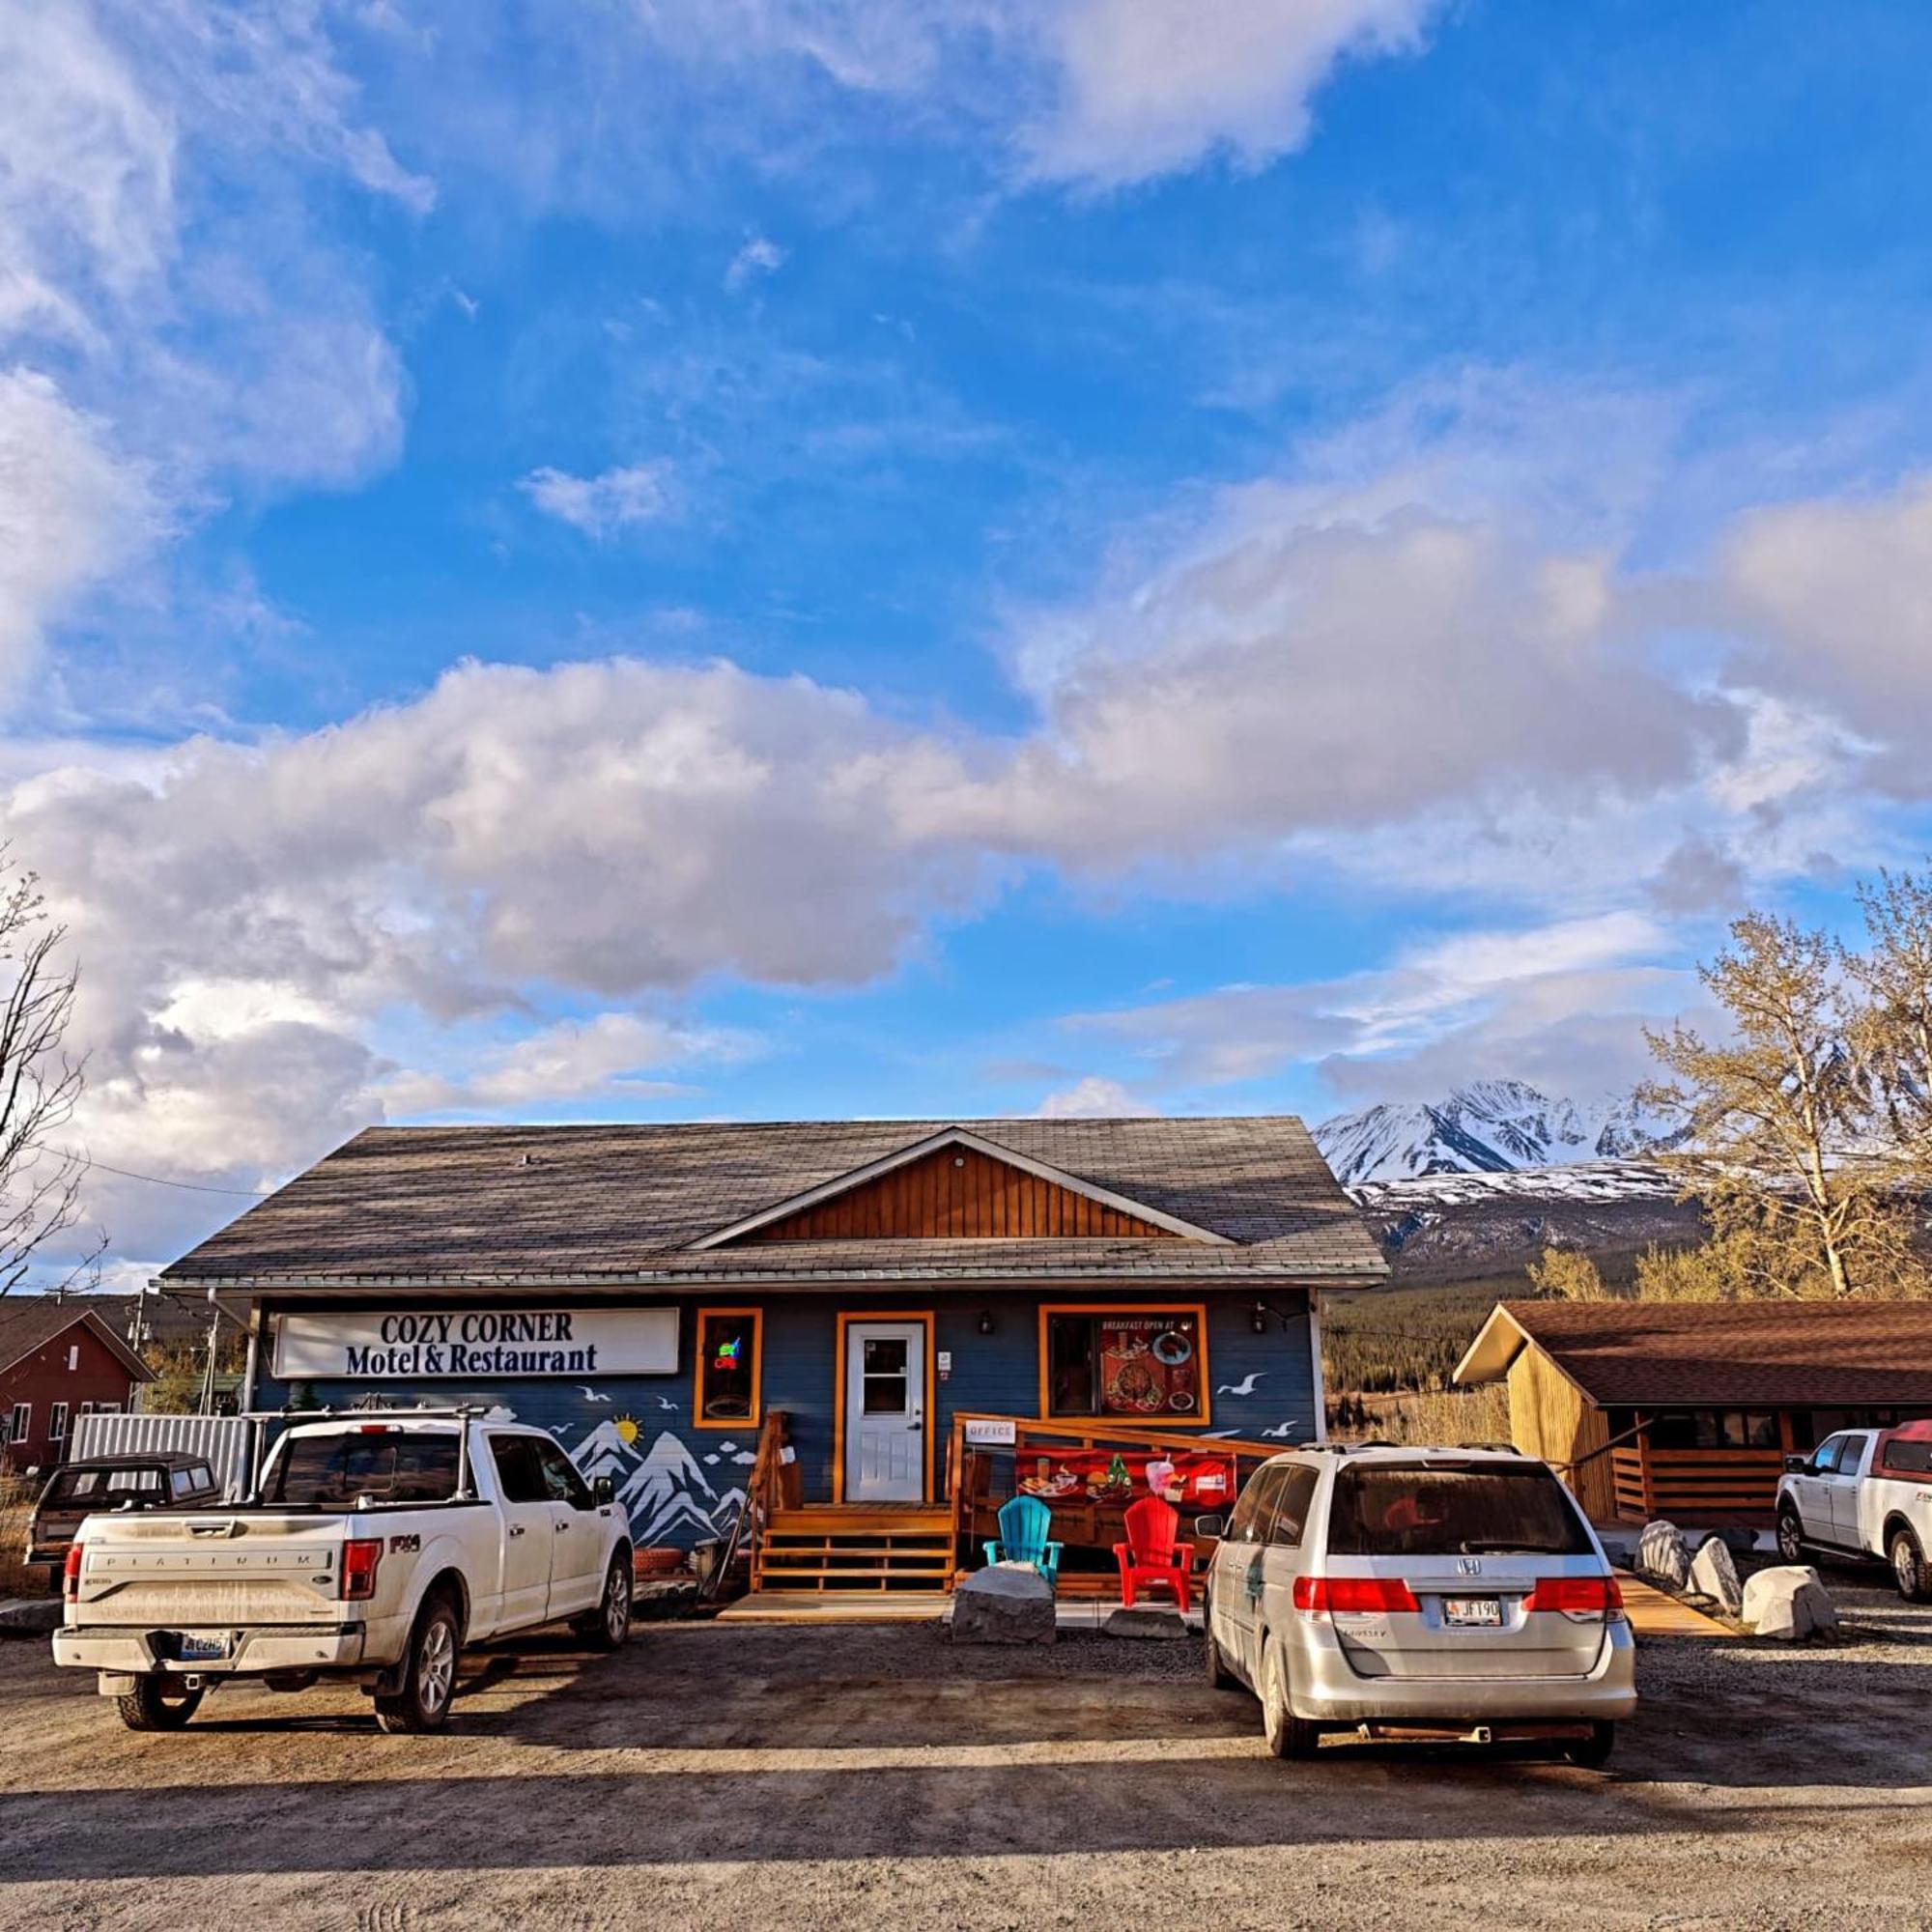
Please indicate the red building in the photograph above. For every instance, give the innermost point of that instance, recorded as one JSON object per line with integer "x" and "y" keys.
{"x": 58, "y": 1360}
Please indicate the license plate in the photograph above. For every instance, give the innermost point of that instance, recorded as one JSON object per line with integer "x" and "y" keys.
{"x": 1479, "y": 1612}
{"x": 197, "y": 1649}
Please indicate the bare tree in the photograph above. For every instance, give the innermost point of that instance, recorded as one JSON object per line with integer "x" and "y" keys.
{"x": 39, "y": 1083}
{"x": 1783, "y": 1121}
{"x": 1893, "y": 1036}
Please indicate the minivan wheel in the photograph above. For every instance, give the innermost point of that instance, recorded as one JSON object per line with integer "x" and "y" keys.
{"x": 1219, "y": 1676}
{"x": 1790, "y": 1536}
{"x": 609, "y": 1623}
{"x": 429, "y": 1678}
{"x": 1908, "y": 1567}
{"x": 155, "y": 1704}
{"x": 1288, "y": 1736}
{"x": 1594, "y": 1752}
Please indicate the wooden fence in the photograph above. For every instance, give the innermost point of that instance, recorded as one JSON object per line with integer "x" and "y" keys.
{"x": 1701, "y": 1484}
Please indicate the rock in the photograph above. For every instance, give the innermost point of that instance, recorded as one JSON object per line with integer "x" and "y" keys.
{"x": 1714, "y": 1575}
{"x": 1738, "y": 1542}
{"x": 1006, "y": 1603}
{"x": 1663, "y": 1556}
{"x": 29, "y": 1616}
{"x": 1788, "y": 1601}
{"x": 1147, "y": 1623}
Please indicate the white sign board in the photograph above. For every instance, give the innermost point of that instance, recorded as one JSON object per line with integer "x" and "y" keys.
{"x": 426, "y": 1343}
{"x": 991, "y": 1433}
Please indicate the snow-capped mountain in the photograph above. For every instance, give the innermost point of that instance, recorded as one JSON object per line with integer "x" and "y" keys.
{"x": 1491, "y": 1127}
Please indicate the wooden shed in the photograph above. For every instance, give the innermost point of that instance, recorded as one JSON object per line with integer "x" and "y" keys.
{"x": 1689, "y": 1408}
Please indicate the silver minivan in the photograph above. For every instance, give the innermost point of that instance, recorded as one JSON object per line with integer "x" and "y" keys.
{"x": 1418, "y": 1594}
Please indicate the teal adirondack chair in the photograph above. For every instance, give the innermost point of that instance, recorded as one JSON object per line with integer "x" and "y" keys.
{"x": 1023, "y": 1525}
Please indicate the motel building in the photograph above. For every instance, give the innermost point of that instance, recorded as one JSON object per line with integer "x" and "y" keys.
{"x": 876, "y": 1330}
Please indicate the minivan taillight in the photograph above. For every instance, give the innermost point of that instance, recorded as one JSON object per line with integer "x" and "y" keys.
{"x": 70, "y": 1572}
{"x": 1585, "y": 1599}
{"x": 359, "y": 1558}
{"x": 1351, "y": 1595}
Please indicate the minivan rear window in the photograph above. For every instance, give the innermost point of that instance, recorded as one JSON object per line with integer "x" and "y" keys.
{"x": 1402, "y": 1509}
{"x": 332, "y": 1471}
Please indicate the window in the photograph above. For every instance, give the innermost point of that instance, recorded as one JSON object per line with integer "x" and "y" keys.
{"x": 73, "y": 1356}
{"x": 729, "y": 1341}
{"x": 1909, "y": 1458}
{"x": 1148, "y": 1364}
{"x": 1255, "y": 1507}
{"x": 561, "y": 1481}
{"x": 181, "y": 1482}
{"x": 1290, "y": 1511}
{"x": 388, "y": 1465}
{"x": 1825, "y": 1461}
{"x": 57, "y": 1422}
{"x": 1412, "y": 1509}
{"x": 1714, "y": 1428}
{"x": 106, "y": 1488}
{"x": 20, "y": 1424}
{"x": 520, "y": 1474}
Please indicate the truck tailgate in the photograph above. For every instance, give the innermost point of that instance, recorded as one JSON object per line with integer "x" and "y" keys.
{"x": 168, "y": 1572}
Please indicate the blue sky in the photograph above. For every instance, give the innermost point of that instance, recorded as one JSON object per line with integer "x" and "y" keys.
{"x": 826, "y": 557}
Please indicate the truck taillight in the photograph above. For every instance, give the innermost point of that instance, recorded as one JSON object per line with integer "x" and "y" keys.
{"x": 359, "y": 1557}
{"x": 1352, "y": 1596}
{"x": 71, "y": 1574}
{"x": 1585, "y": 1599}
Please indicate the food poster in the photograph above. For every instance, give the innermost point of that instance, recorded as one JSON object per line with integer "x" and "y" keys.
{"x": 1150, "y": 1365}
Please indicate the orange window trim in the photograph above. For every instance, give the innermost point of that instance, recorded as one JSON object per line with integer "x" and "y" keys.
{"x": 1197, "y": 1309}
{"x": 757, "y": 1320}
{"x": 846, "y": 1316}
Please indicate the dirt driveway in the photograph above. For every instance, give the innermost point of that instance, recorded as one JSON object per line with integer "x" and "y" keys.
{"x": 750, "y": 1778}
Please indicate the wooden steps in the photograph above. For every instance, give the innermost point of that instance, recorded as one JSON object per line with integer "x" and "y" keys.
{"x": 866, "y": 1548}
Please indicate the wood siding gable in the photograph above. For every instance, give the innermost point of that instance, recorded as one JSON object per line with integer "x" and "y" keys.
{"x": 956, "y": 1192}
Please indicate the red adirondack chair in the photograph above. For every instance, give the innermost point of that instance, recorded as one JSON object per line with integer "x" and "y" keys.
{"x": 1150, "y": 1555}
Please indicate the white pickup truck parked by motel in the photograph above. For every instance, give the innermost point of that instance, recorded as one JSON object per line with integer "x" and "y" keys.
{"x": 1863, "y": 1493}
{"x": 374, "y": 1547}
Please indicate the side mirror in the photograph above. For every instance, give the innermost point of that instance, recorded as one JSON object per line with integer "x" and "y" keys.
{"x": 1210, "y": 1527}
{"x": 603, "y": 1491}
{"x": 1798, "y": 1465}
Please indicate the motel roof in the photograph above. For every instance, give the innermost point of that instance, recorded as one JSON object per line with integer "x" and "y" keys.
{"x": 1718, "y": 1355}
{"x": 1249, "y": 1199}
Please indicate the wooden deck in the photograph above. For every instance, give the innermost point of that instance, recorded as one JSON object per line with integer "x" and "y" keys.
{"x": 1655, "y": 1613}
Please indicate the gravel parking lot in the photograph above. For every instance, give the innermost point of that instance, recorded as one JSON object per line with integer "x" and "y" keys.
{"x": 752, "y": 1777}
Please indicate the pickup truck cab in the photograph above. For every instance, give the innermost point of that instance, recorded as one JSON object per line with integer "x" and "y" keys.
{"x": 374, "y": 1547}
{"x": 77, "y": 1491}
{"x": 1863, "y": 1493}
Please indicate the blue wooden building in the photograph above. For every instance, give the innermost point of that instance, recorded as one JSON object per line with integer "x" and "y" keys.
{"x": 814, "y": 1307}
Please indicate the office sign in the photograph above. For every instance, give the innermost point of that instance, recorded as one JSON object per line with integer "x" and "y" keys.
{"x": 423, "y": 1345}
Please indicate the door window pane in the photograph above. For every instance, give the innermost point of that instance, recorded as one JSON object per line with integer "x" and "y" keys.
{"x": 885, "y": 1395}
{"x": 520, "y": 1475}
{"x": 561, "y": 1480}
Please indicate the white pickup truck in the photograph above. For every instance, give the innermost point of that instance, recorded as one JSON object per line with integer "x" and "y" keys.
{"x": 375, "y": 1547}
{"x": 1863, "y": 1493}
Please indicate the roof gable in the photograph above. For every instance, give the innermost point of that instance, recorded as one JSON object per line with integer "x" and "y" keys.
{"x": 31, "y": 1322}
{"x": 954, "y": 1186}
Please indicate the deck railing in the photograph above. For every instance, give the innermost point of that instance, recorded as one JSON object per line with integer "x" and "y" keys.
{"x": 1707, "y": 1483}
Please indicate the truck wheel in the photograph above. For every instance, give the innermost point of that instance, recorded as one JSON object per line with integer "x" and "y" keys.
{"x": 1908, "y": 1567}
{"x": 1594, "y": 1752}
{"x": 1219, "y": 1676}
{"x": 155, "y": 1704}
{"x": 1790, "y": 1536}
{"x": 610, "y": 1624}
{"x": 429, "y": 1677}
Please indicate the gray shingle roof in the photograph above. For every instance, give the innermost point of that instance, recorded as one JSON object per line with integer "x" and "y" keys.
{"x": 550, "y": 1204}
{"x": 30, "y": 1321}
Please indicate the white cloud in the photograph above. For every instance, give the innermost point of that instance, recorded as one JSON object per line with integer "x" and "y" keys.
{"x": 1095, "y": 1097}
{"x": 1559, "y": 1005}
{"x": 618, "y": 499}
{"x": 609, "y": 1056}
{"x": 757, "y": 258}
{"x": 1148, "y": 87}
{"x": 70, "y": 511}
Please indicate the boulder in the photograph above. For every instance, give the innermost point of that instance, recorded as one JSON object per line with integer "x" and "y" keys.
{"x": 1006, "y": 1603}
{"x": 1788, "y": 1601}
{"x": 1714, "y": 1575}
{"x": 29, "y": 1616}
{"x": 1663, "y": 1556}
{"x": 1141, "y": 1622}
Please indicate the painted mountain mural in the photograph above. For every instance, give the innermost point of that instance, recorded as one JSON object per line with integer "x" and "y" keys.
{"x": 662, "y": 1488}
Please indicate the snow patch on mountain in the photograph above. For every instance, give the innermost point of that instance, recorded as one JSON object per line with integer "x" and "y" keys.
{"x": 1491, "y": 1127}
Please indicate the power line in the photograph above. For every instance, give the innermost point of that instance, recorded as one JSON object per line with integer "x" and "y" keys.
{"x": 161, "y": 1181}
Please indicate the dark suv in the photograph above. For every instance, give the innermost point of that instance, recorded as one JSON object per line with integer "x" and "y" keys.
{"x": 76, "y": 1490}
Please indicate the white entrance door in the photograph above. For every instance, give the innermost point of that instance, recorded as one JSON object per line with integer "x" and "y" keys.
{"x": 885, "y": 1411}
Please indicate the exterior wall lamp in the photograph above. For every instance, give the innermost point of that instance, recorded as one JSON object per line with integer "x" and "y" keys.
{"x": 1258, "y": 1320}
{"x": 986, "y": 1321}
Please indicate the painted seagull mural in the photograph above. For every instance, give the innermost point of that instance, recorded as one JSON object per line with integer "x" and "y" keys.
{"x": 591, "y": 1395}
{"x": 1245, "y": 1387}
